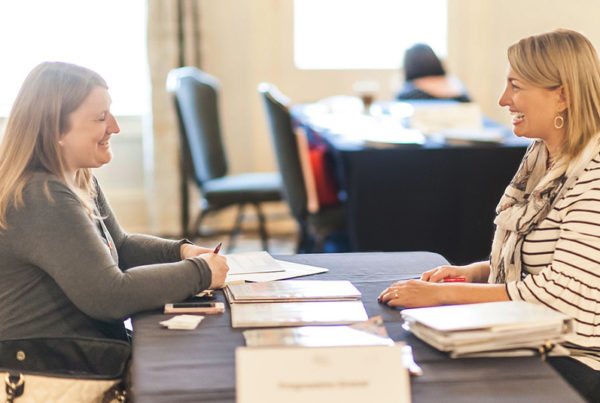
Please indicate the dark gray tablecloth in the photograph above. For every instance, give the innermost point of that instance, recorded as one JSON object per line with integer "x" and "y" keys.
{"x": 198, "y": 365}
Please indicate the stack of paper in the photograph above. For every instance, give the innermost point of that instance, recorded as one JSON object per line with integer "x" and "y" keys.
{"x": 492, "y": 328}
{"x": 291, "y": 290}
{"x": 275, "y": 314}
{"x": 369, "y": 333}
{"x": 294, "y": 303}
{"x": 470, "y": 136}
{"x": 431, "y": 117}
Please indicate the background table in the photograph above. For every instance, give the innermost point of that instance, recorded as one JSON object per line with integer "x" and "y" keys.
{"x": 435, "y": 197}
{"x": 198, "y": 366}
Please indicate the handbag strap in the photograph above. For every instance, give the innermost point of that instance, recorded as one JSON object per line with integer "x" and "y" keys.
{"x": 15, "y": 386}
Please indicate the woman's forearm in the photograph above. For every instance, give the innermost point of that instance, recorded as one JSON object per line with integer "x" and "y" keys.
{"x": 465, "y": 293}
{"x": 480, "y": 271}
{"x": 417, "y": 293}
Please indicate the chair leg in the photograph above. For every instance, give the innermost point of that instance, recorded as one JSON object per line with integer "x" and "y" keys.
{"x": 197, "y": 231}
{"x": 184, "y": 200}
{"x": 319, "y": 239}
{"x": 237, "y": 227}
{"x": 262, "y": 227}
{"x": 304, "y": 240}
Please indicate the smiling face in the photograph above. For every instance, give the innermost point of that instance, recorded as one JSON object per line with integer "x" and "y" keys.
{"x": 534, "y": 109}
{"x": 86, "y": 143}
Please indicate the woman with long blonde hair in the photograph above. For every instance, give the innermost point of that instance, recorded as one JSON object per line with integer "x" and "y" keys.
{"x": 66, "y": 266}
{"x": 546, "y": 248}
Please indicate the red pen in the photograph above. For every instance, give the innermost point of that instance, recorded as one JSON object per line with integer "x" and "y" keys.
{"x": 454, "y": 280}
{"x": 218, "y": 248}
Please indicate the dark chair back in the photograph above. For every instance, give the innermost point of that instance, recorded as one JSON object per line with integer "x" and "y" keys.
{"x": 286, "y": 149}
{"x": 196, "y": 98}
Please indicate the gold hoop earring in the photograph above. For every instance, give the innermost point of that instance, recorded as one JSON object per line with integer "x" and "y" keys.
{"x": 559, "y": 122}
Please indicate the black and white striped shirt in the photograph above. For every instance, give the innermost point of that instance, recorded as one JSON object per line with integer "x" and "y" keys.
{"x": 562, "y": 256}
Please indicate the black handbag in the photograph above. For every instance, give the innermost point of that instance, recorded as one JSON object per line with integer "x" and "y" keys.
{"x": 64, "y": 369}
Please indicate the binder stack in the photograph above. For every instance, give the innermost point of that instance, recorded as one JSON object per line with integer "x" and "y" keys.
{"x": 510, "y": 328}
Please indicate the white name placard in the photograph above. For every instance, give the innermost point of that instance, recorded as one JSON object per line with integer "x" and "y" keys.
{"x": 321, "y": 374}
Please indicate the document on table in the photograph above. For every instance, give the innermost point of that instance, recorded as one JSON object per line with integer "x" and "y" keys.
{"x": 290, "y": 270}
{"x": 292, "y": 291}
{"x": 322, "y": 374}
{"x": 252, "y": 262}
{"x": 368, "y": 333}
{"x": 277, "y": 314}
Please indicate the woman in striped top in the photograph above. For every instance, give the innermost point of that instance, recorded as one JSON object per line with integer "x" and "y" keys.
{"x": 546, "y": 248}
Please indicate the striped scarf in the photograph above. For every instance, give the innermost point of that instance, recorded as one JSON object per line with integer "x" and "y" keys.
{"x": 527, "y": 200}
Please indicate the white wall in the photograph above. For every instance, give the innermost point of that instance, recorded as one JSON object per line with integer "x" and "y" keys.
{"x": 482, "y": 30}
{"x": 245, "y": 42}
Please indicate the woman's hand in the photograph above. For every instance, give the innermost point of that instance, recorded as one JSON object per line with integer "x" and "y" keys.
{"x": 439, "y": 273}
{"x": 218, "y": 267}
{"x": 188, "y": 250}
{"x": 473, "y": 273}
{"x": 412, "y": 294}
{"x": 429, "y": 291}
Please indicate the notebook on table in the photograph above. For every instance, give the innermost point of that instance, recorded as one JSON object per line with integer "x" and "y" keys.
{"x": 291, "y": 291}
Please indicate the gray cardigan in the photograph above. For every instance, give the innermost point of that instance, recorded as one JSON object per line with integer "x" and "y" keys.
{"x": 61, "y": 274}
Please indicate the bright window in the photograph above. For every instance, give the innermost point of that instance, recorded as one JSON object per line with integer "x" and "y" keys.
{"x": 107, "y": 36}
{"x": 365, "y": 34}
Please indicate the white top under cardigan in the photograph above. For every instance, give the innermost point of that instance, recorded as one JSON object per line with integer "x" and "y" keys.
{"x": 563, "y": 257}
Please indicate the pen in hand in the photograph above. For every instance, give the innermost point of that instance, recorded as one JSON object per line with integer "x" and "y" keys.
{"x": 218, "y": 248}
{"x": 454, "y": 280}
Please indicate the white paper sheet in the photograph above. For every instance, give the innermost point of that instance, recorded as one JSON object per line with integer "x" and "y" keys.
{"x": 252, "y": 262}
{"x": 289, "y": 270}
